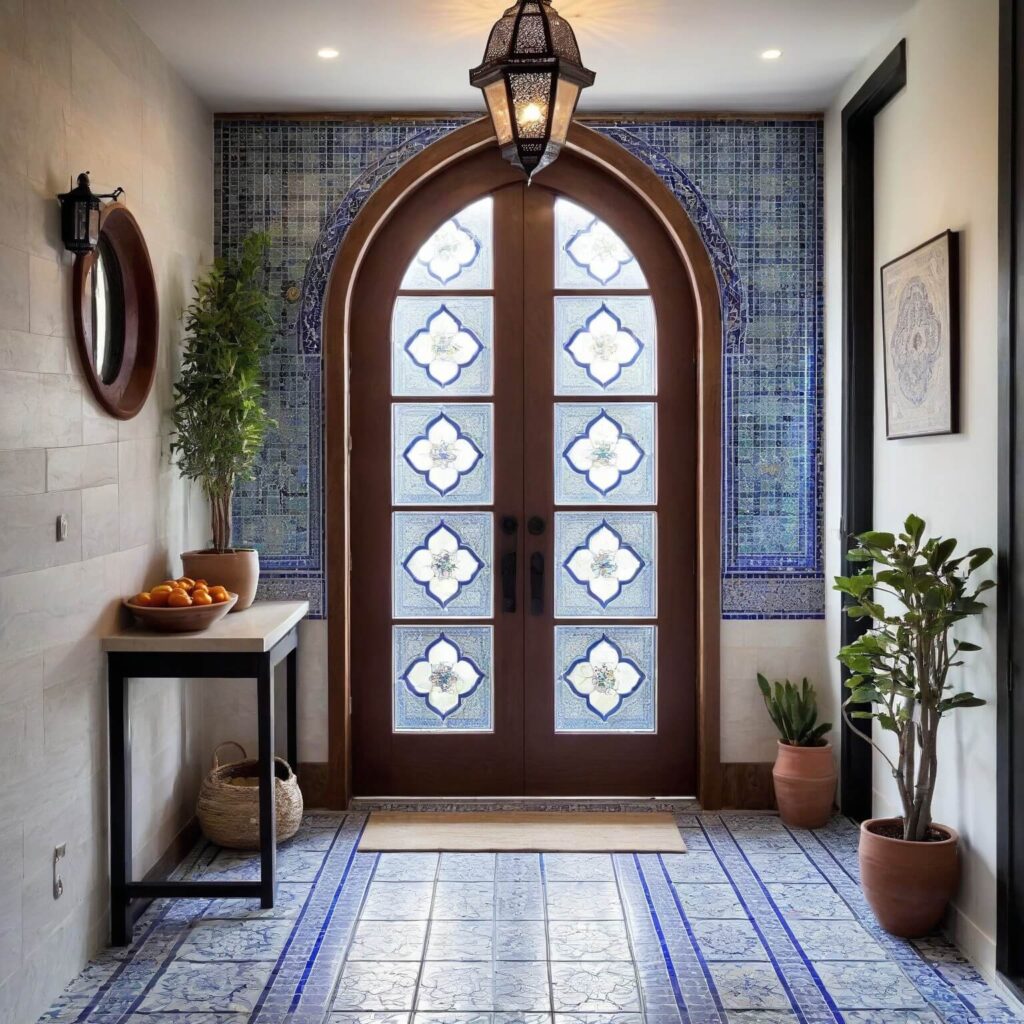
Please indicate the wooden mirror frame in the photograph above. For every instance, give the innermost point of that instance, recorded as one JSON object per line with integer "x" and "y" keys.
{"x": 126, "y": 394}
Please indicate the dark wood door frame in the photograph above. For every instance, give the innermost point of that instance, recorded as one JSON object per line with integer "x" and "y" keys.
{"x": 646, "y": 185}
{"x": 858, "y": 415}
{"x": 1010, "y": 594}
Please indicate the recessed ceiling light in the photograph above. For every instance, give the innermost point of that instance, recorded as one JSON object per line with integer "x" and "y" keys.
{"x": 771, "y": 54}
{"x": 327, "y": 53}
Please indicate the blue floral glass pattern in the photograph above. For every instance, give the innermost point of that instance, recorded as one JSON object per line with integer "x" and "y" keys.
{"x": 605, "y": 455}
{"x": 439, "y": 677}
{"x": 443, "y": 346}
{"x": 605, "y": 346}
{"x": 442, "y": 677}
{"x": 606, "y": 565}
{"x": 458, "y": 254}
{"x": 589, "y": 253}
{"x": 442, "y": 565}
{"x": 442, "y": 452}
{"x": 605, "y": 679}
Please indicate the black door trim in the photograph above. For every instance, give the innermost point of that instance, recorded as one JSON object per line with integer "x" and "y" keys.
{"x": 1010, "y": 594}
{"x": 858, "y": 242}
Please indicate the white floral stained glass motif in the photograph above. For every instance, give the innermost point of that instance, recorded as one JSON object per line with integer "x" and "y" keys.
{"x": 589, "y": 254}
{"x": 442, "y": 454}
{"x": 605, "y": 345}
{"x": 605, "y": 679}
{"x": 442, "y": 565}
{"x": 606, "y": 565}
{"x": 441, "y": 346}
{"x": 458, "y": 255}
{"x": 443, "y": 679}
{"x": 605, "y": 455}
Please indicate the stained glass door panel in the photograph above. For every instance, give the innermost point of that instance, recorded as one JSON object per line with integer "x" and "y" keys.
{"x": 436, "y": 461}
{"x": 611, "y": 402}
{"x": 522, "y": 478}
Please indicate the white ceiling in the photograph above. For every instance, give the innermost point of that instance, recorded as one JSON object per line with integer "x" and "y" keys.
{"x": 260, "y": 55}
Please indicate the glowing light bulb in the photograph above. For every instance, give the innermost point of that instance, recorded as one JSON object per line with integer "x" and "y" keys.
{"x": 532, "y": 113}
{"x": 327, "y": 53}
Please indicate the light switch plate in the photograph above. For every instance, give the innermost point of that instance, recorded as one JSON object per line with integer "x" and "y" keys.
{"x": 62, "y": 527}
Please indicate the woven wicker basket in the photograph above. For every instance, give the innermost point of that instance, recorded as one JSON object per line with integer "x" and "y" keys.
{"x": 229, "y": 801}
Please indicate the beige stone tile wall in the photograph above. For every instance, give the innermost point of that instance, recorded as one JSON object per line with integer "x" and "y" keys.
{"x": 81, "y": 88}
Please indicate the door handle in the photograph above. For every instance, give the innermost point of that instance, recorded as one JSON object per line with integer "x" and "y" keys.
{"x": 509, "y": 562}
{"x": 537, "y": 583}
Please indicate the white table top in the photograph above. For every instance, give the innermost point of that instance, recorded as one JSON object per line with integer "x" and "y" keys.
{"x": 256, "y": 630}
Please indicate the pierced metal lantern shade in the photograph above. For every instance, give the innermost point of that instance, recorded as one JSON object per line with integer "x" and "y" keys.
{"x": 531, "y": 76}
{"x": 80, "y": 215}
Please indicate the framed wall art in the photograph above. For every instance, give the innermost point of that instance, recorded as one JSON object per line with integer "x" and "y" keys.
{"x": 921, "y": 339}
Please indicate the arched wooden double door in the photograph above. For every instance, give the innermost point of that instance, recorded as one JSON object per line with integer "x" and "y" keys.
{"x": 523, "y": 493}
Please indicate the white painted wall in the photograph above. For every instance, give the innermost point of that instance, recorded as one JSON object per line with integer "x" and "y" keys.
{"x": 936, "y": 168}
{"x": 81, "y": 88}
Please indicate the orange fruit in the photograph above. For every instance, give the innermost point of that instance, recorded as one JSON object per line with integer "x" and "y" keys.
{"x": 165, "y": 587}
{"x": 202, "y": 583}
{"x": 178, "y": 599}
{"x": 187, "y": 580}
{"x": 201, "y": 597}
{"x": 219, "y": 595}
{"x": 158, "y": 598}
{"x": 143, "y": 598}
{"x": 168, "y": 583}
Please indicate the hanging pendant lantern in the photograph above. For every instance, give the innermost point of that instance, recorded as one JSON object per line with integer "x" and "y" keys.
{"x": 531, "y": 76}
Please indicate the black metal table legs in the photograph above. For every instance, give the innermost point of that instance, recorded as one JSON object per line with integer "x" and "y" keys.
{"x": 127, "y": 896}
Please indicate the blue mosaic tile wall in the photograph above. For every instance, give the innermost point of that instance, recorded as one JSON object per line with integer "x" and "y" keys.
{"x": 754, "y": 189}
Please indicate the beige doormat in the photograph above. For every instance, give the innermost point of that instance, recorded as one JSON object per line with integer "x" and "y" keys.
{"x": 576, "y": 832}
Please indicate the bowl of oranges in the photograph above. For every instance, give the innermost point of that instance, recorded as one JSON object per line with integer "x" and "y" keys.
{"x": 181, "y": 606}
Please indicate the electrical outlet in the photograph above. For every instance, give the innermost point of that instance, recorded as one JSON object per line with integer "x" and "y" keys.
{"x": 59, "y": 853}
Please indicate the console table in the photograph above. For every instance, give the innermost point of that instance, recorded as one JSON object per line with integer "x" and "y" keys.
{"x": 245, "y": 644}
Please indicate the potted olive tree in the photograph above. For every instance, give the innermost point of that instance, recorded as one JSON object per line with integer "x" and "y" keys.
{"x": 219, "y": 417}
{"x": 804, "y": 774}
{"x": 914, "y": 591}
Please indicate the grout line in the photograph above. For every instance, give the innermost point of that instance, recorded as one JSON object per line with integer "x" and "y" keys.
{"x": 629, "y": 935}
{"x": 547, "y": 932}
{"x": 426, "y": 937}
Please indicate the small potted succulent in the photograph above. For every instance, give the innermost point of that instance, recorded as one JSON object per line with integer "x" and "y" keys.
{"x": 914, "y": 591}
{"x": 219, "y": 415}
{"x": 804, "y": 772}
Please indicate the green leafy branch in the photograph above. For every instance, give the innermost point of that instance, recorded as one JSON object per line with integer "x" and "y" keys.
{"x": 914, "y": 591}
{"x": 219, "y": 416}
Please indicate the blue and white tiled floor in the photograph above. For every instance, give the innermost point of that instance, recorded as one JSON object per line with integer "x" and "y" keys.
{"x": 756, "y": 924}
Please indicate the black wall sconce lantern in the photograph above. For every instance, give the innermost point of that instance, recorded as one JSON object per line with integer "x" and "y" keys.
{"x": 80, "y": 215}
{"x": 531, "y": 76}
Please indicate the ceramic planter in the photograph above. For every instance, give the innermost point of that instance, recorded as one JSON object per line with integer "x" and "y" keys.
{"x": 908, "y": 885}
{"x": 238, "y": 570}
{"x": 805, "y": 784}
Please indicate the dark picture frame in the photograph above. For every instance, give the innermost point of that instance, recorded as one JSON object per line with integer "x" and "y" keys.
{"x": 920, "y": 301}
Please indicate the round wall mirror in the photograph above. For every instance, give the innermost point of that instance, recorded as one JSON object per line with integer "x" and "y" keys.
{"x": 116, "y": 314}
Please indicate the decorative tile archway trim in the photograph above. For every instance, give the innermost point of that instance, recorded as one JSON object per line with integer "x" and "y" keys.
{"x": 769, "y": 581}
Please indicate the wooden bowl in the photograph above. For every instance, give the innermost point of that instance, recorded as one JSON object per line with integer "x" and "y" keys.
{"x": 193, "y": 619}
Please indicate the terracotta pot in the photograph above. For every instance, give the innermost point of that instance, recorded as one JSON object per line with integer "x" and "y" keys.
{"x": 805, "y": 784}
{"x": 908, "y": 885}
{"x": 237, "y": 570}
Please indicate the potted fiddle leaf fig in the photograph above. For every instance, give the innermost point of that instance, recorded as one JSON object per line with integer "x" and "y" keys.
{"x": 219, "y": 415}
{"x": 914, "y": 590}
{"x": 804, "y": 773}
